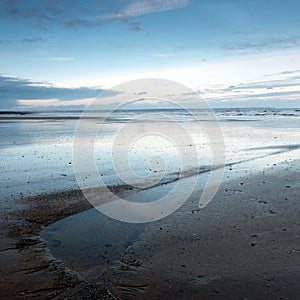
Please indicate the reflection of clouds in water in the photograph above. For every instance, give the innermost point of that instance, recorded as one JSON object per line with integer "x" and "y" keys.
{"x": 46, "y": 146}
{"x": 37, "y": 131}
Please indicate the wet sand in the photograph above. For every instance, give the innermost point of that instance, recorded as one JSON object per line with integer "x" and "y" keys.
{"x": 28, "y": 269}
{"x": 243, "y": 245}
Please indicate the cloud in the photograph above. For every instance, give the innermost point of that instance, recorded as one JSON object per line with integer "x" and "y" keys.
{"x": 135, "y": 26}
{"x": 33, "y": 104}
{"x": 13, "y": 89}
{"x": 133, "y": 9}
{"x": 143, "y": 7}
{"x": 282, "y": 95}
{"x": 263, "y": 85}
{"x": 97, "y": 22}
{"x": 283, "y": 92}
{"x": 284, "y": 73}
{"x": 69, "y": 14}
{"x": 32, "y": 40}
{"x": 63, "y": 59}
{"x": 288, "y": 42}
{"x": 173, "y": 53}
{"x": 80, "y": 22}
{"x": 253, "y": 86}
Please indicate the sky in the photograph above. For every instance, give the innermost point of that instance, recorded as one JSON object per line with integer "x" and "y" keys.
{"x": 234, "y": 53}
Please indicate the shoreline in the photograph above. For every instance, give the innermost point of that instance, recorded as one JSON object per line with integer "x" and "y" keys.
{"x": 29, "y": 270}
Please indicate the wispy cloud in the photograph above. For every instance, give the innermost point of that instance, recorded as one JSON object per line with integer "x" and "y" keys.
{"x": 135, "y": 26}
{"x": 284, "y": 73}
{"x": 32, "y": 40}
{"x": 287, "y": 42}
{"x": 172, "y": 53}
{"x": 143, "y": 7}
{"x": 60, "y": 59}
{"x": 62, "y": 13}
{"x": 268, "y": 85}
{"x": 271, "y": 92}
{"x": 54, "y": 103}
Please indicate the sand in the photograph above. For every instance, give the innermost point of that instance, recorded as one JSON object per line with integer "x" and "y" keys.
{"x": 243, "y": 245}
{"x": 28, "y": 270}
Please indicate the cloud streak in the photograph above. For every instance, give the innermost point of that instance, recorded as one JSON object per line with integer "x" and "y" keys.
{"x": 69, "y": 14}
{"x": 288, "y": 72}
{"x": 277, "y": 92}
{"x": 60, "y": 59}
{"x": 32, "y": 40}
{"x": 288, "y": 42}
{"x": 170, "y": 54}
{"x": 144, "y": 7}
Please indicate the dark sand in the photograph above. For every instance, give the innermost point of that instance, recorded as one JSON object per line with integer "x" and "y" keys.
{"x": 244, "y": 245}
{"x": 27, "y": 268}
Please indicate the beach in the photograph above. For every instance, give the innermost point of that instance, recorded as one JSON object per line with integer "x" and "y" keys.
{"x": 149, "y": 150}
{"x": 243, "y": 245}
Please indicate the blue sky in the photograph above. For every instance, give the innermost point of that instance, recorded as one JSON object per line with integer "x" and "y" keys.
{"x": 235, "y": 52}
